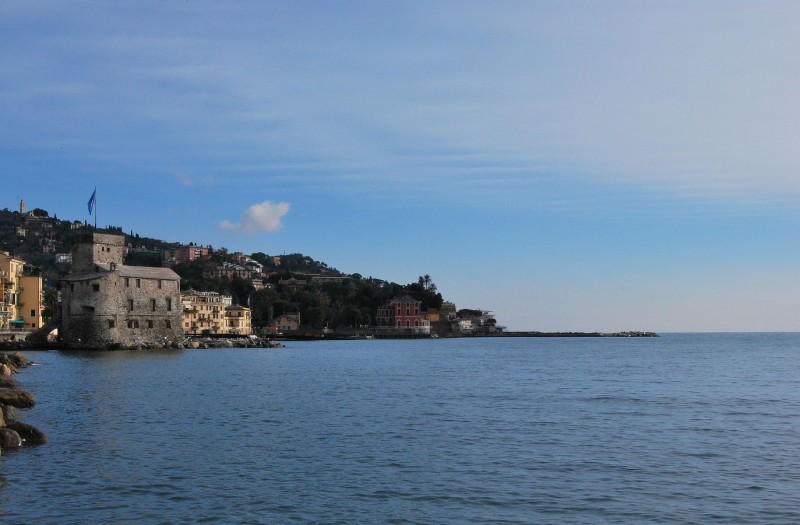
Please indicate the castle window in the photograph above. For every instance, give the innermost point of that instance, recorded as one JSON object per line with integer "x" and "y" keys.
{"x": 149, "y": 323}
{"x": 138, "y": 283}
{"x": 133, "y": 324}
{"x": 130, "y": 305}
{"x": 111, "y": 323}
{"x": 159, "y": 284}
{"x": 95, "y": 287}
{"x": 169, "y": 304}
{"x": 153, "y": 305}
{"x": 168, "y": 324}
{"x": 127, "y": 282}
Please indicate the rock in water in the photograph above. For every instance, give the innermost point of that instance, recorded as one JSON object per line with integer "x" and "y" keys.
{"x": 29, "y": 433}
{"x": 16, "y": 398}
{"x": 8, "y": 382}
{"x": 9, "y": 439}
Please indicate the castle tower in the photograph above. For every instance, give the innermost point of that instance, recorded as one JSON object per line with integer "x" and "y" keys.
{"x": 91, "y": 249}
{"x": 22, "y": 206}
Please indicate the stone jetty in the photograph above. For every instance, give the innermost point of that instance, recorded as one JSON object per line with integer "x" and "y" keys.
{"x": 15, "y": 433}
{"x": 186, "y": 342}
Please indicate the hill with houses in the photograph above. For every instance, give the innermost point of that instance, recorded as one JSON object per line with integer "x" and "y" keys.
{"x": 272, "y": 286}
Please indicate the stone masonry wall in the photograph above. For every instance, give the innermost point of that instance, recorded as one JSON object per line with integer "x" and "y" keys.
{"x": 92, "y": 248}
{"x": 112, "y": 310}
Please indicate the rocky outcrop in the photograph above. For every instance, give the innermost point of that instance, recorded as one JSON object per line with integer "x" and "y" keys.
{"x": 30, "y": 434}
{"x": 17, "y": 398}
{"x": 238, "y": 342}
{"x": 15, "y": 433}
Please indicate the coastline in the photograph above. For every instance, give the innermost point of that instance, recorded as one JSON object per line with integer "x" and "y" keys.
{"x": 188, "y": 343}
{"x": 14, "y": 433}
{"x": 367, "y": 334}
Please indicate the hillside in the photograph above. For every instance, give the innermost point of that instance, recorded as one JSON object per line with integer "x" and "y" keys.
{"x": 272, "y": 285}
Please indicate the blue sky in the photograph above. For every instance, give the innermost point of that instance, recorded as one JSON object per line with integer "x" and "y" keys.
{"x": 567, "y": 165}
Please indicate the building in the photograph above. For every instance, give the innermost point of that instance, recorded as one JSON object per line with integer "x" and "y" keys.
{"x": 31, "y": 299}
{"x": 211, "y": 313}
{"x": 237, "y": 320}
{"x": 447, "y": 311}
{"x": 105, "y": 303}
{"x": 292, "y": 283}
{"x": 230, "y": 270}
{"x": 20, "y": 296}
{"x": 287, "y": 323}
{"x": 204, "y": 312}
{"x": 478, "y": 322}
{"x": 403, "y": 314}
{"x": 186, "y": 253}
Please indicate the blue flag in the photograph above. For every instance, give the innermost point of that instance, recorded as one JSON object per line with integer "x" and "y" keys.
{"x": 91, "y": 201}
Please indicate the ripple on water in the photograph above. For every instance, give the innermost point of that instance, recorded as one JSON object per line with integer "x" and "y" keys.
{"x": 679, "y": 429}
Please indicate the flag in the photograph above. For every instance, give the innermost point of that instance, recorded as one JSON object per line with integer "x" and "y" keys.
{"x": 91, "y": 201}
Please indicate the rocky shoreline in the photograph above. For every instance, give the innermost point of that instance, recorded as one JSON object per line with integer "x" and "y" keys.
{"x": 13, "y": 432}
{"x": 189, "y": 342}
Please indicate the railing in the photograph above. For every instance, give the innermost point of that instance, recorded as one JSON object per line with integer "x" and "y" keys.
{"x": 7, "y": 332}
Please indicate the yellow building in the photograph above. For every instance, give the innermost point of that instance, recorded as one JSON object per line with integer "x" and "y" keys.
{"x": 31, "y": 299}
{"x": 211, "y": 313}
{"x": 237, "y": 320}
{"x": 20, "y": 296}
{"x": 204, "y": 312}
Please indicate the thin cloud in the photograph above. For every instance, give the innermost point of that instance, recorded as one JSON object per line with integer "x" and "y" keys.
{"x": 188, "y": 181}
{"x": 264, "y": 217}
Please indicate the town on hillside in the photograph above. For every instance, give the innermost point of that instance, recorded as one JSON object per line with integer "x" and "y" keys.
{"x": 104, "y": 288}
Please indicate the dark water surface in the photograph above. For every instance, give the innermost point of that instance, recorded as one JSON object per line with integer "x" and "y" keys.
{"x": 677, "y": 429}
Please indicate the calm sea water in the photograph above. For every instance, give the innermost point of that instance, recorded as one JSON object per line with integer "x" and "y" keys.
{"x": 677, "y": 429}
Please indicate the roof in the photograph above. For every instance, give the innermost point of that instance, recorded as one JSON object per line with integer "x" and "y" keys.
{"x": 236, "y": 307}
{"x": 142, "y": 272}
{"x": 405, "y": 299}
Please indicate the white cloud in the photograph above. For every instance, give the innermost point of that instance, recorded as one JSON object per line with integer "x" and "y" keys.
{"x": 264, "y": 217}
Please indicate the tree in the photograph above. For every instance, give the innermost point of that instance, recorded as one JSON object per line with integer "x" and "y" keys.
{"x": 427, "y": 283}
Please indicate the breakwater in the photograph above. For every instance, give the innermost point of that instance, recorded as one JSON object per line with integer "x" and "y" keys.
{"x": 574, "y": 334}
{"x": 189, "y": 342}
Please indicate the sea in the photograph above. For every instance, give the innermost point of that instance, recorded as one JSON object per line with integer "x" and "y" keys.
{"x": 678, "y": 429}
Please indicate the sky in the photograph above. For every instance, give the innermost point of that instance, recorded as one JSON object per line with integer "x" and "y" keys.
{"x": 567, "y": 165}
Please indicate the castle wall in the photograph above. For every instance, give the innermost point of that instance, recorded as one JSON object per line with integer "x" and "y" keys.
{"x": 126, "y": 307}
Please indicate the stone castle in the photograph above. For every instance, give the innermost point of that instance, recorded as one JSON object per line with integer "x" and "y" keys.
{"x": 106, "y": 304}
